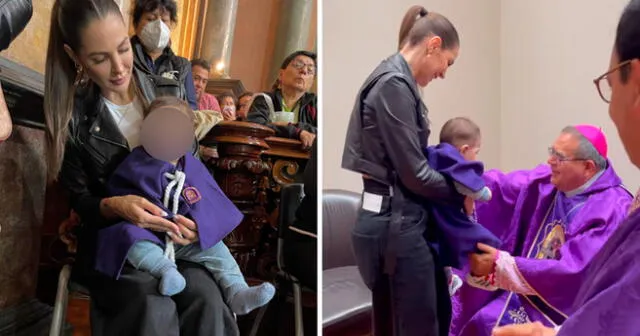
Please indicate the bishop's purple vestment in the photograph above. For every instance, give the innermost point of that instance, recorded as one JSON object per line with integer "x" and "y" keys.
{"x": 457, "y": 234}
{"x": 608, "y": 302}
{"x": 552, "y": 237}
{"x": 202, "y": 200}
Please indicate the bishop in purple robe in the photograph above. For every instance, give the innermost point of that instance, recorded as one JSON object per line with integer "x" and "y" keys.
{"x": 608, "y": 299}
{"x": 551, "y": 223}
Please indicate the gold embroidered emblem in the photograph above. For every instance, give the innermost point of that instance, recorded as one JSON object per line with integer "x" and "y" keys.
{"x": 550, "y": 247}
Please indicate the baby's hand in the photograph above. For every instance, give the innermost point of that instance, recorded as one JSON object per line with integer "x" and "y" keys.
{"x": 469, "y": 205}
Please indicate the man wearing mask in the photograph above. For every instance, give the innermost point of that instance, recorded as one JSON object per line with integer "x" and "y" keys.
{"x": 200, "y": 69}
{"x": 153, "y": 20}
{"x": 14, "y": 16}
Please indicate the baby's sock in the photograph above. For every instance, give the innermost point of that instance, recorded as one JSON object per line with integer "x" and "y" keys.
{"x": 171, "y": 282}
{"x": 149, "y": 258}
{"x": 244, "y": 299}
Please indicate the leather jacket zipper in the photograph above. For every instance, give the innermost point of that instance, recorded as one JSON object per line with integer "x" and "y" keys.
{"x": 110, "y": 141}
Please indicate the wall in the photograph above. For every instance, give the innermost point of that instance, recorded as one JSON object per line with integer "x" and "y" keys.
{"x": 547, "y": 73}
{"x": 351, "y": 50}
{"x": 30, "y": 48}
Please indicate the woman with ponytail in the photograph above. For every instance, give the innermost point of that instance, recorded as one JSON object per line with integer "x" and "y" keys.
{"x": 385, "y": 139}
{"x": 94, "y": 101}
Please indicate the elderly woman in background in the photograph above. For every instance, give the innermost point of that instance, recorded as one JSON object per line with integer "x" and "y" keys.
{"x": 290, "y": 109}
{"x": 153, "y": 20}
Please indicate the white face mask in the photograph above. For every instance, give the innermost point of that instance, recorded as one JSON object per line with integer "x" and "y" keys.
{"x": 155, "y": 35}
{"x": 229, "y": 108}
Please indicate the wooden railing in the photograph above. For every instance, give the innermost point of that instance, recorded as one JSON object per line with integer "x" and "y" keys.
{"x": 251, "y": 165}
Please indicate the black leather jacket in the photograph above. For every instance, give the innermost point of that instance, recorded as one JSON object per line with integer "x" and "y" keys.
{"x": 94, "y": 149}
{"x": 388, "y": 130}
{"x": 14, "y": 16}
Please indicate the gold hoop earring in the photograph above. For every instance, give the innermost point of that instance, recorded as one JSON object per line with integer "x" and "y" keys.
{"x": 81, "y": 78}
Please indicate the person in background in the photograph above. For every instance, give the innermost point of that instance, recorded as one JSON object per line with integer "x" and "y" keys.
{"x": 608, "y": 297}
{"x": 206, "y": 101}
{"x": 228, "y": 105}
{"x": 153, "y": 20}
{"x": 244, "y": 103}
{"x": 291, "y": 98}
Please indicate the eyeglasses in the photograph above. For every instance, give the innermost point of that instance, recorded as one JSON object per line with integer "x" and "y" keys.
{"x": 557, "y": 156}
{"x": 605, "y": 89}
{"x": 298, "y": 65}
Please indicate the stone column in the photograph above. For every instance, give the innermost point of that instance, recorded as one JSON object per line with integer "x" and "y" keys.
{"x": 215, "y": 38}
{"x": 292, "y": 33}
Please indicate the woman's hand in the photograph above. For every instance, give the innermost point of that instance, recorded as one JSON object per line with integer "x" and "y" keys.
{"x": 482, "y": 264}
{"x": 527, "y": 329}
{"x": 307, "y": 138}
{"x": 139, "y": 211}
{"x": 188, "y": 231}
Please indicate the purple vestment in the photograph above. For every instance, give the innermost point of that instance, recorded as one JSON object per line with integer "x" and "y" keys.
{"x": 535, "y": 221}
{"x": 202, "y": 200}
{"x": 608, "y": 302}
{"x": 457, "y": 234}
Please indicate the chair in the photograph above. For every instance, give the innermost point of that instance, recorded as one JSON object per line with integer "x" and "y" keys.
{"x": 346, "y": 299}
{"x": 65, "y": 289}
{"x": 290, "y": 198}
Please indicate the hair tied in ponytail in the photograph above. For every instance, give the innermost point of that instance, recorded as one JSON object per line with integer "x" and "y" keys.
{"x": 423, "y": 12}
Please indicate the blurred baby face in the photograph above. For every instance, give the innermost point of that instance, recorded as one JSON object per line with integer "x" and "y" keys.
{"x": 167, "y": 134}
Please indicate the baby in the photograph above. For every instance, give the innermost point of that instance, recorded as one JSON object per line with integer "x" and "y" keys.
{"x": 164, "y": 172}
{"x": 458, "y": 230}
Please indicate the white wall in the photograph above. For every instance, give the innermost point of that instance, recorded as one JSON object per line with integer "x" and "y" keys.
{"x": 550, "y": 53}
{"x": 358, "y": 34}
{"x": 525, "y": 71}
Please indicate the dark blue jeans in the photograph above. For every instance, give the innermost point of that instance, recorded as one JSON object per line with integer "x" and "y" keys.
{"x": 415, "y": 299}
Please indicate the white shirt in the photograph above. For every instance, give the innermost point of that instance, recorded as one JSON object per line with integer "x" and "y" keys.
{"x": 128, "y": 118}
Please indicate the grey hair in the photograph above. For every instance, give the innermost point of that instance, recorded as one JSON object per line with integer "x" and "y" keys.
{"x": 586, "y": 150}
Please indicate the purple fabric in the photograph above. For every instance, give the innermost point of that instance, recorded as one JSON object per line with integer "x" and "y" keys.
{"x": 609, "y": 299}
{"x": 140, "y": 174}
{"x": 457, "y": 234}
{"x": 515, "y": 214}
{"x": 449, "y": 162}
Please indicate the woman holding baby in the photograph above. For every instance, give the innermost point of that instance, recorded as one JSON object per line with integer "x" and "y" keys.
{"x": 94, "y": 101}
{"x": 409, "y": 286}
